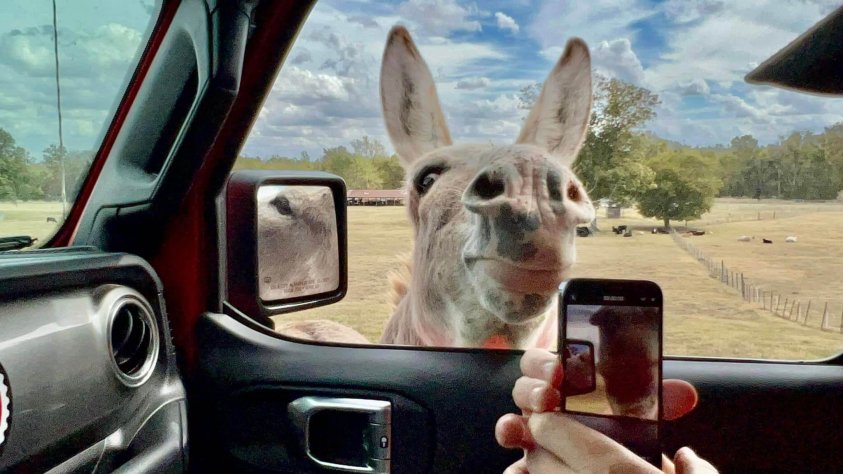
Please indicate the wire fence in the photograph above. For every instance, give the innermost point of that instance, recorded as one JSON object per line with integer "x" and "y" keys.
{"x": 785, "y": 307}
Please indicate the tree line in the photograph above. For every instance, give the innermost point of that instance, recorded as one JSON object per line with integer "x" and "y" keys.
{"x": 23, "y": 178}
{"x": 365, "y": 166}
{"x": 620, "y": 162}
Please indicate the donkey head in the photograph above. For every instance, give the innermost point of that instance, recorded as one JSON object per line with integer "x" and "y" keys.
{"x": 494, "y": 225}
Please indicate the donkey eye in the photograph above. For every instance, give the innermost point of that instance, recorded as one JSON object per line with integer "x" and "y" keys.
{"x": 426, "y": 178}
{"x": 282, "y": 205}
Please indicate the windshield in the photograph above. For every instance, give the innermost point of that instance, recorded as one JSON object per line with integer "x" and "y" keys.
{"x": 59, "y": 93}
{"x": 726, "y": 194}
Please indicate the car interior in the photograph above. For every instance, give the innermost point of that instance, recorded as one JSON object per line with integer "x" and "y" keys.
{"x": 135, "y": 340}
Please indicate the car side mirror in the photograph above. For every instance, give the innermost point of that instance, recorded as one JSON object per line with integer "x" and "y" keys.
{"x": 285, "y": 235}
{"x": 580, "y": 369}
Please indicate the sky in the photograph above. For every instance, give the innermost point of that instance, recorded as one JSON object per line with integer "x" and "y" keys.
{"x": 692, "y": 53}
{"x": 99, "y": 42}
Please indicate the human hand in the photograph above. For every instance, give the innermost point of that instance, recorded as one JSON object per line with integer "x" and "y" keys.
{"x": 552, "y": 440}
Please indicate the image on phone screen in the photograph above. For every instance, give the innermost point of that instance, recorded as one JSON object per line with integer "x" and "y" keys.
{"x": 611, "y": 333}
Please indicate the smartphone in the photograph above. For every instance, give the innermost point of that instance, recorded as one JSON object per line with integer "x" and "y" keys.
{"x": 611, "y": 335}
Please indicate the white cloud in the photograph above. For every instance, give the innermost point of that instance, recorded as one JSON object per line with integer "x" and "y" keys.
{"x": 686, "y": 11}
{"x": 740, "y": 108}
{"x": 506, "y": 22}
{"x": 471, "y": 83}
{"x": 438, "y": 17}
{"x": 617, "y": 59}
{"x": 693, "y": 87}
{"x": 594, "y": 21}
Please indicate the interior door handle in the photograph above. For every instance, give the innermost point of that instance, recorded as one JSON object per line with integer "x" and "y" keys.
{"x": 371, "y": 418}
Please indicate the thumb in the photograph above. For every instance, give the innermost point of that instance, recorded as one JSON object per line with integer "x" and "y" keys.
{"x": 687, "y": 462}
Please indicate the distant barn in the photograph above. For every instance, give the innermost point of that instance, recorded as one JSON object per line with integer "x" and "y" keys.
{"x": 376, "y": 197}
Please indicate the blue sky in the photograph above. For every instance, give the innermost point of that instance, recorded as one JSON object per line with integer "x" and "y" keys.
{"x": 692, "y": 53}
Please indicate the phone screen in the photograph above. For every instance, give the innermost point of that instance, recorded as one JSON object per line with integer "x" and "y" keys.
{"x": 611, "y": 335}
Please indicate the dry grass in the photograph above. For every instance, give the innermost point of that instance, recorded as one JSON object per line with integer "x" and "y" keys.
{"x": 29, "y": 218}
{"x": 702, "y": 316}
{"x": 377, "y": 236}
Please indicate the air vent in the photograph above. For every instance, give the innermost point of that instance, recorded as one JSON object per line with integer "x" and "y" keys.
{"x": 133, "y": 340}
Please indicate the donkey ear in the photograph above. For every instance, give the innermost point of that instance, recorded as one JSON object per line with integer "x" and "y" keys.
{"x": 559, "y": 119}
{"x": 411, "y": 108}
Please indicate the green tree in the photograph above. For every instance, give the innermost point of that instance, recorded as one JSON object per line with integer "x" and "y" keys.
{"x": 337, "y": 160}
{"x": 391, "y": 172}
{"x": 363, "y": 174}
{"x": 18, "y": 177}
{"x": 684, "y": 188}
{"x": 368, "y": 147}
{"x": 605, "y": 164}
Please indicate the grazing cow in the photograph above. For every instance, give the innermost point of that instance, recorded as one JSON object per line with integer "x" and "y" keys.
{"x": 767, "y": 241}
{"x": 745, "y": 238}
{"x": 628, "y": 359}
{"x": 52, "y": 219}
{"x": 791, "y": 239}
{"x": 494, "y": 226}
{"x": 583, "y": 232}
{"x": 627, "y": 233}
{"x": 697, "y": 232}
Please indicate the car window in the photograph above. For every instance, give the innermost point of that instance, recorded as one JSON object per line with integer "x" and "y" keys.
{"x": 59, "y": 94}
{"x": 728, "y": 195}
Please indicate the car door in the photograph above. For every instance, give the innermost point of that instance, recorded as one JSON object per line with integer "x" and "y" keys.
{"x": 154, "y": 192}
{"x": 249, "y": 384}
{"x": 90, "y": 381}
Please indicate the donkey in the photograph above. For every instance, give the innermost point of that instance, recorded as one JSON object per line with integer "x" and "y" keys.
{"x": 298, "y": 222}
{"x": 629, "y": 359}
{"x": 494, "y": 226}
{"x": 298, "y": 241}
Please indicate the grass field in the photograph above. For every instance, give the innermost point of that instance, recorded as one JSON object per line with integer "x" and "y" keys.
{"x": 29, "y": 218}
{"x": 703, "y": 317}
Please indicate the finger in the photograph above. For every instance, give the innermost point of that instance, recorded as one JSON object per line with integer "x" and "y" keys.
{"x": 687, "y": 462}
{"x": 680, "y": 397}
{"x": 667, "y": 465}
{"x": 543, "y": 365}
{"x": 519, "y": 467}
{"x": 582, "y": 448}
{"x": 535, "y": 395}
{"x": 511, "y": 432}
{"x": 541, "y": 461}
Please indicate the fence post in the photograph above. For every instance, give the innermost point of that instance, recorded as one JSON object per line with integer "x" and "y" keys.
{"x": 797, "y": 311}
{"x": 722, "y": 268}
{"x": 779, "y": 302}
{"x": 771, "y": 299}
{"x": 825, "y": 316}
{"x": 807, "y": 311}
{"x": 784, "y": 310}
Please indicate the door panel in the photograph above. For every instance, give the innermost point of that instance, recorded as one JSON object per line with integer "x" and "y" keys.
{"x": 86, "y": 346}
{"x": 751, "y": 416}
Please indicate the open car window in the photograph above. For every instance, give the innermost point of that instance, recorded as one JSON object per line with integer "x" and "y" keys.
{"x": 64, "y": 68}
{"x": 726, "y": 194}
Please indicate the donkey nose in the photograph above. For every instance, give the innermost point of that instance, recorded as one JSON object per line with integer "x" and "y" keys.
{"x": 488, "y": 189}
{"x": 518, "y": 186}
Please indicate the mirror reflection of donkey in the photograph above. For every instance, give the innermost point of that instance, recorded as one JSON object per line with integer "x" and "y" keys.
{"x": 494, "y": 225}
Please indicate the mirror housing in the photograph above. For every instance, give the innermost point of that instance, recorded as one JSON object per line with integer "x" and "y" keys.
{"x": 285, "y": 242}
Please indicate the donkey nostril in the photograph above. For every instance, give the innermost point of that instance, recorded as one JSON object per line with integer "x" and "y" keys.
{"x": 573, "y": 192}
{"x": 488, "y": 187}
